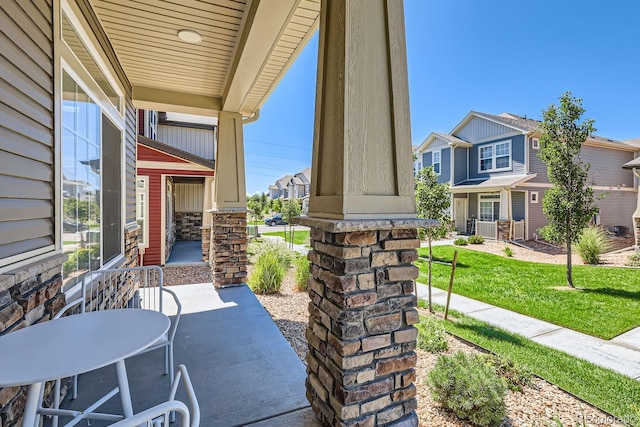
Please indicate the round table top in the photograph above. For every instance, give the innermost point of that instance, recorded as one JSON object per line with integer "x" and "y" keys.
{"x": 75, "y": 344}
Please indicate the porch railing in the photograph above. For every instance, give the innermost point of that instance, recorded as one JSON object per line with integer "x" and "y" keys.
{"x": 517, "y": 230}
{"x": 487, "y": 229}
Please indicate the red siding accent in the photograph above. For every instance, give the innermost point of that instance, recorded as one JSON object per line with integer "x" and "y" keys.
{"x": 149, "y": 154}
{"x": 152, "y": 254}
{"x": 141, "y": 122}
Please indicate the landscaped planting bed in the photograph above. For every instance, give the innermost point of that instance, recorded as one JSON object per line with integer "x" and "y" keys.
{"x": 535, "y": 406}
{"x": 606, "y": 307}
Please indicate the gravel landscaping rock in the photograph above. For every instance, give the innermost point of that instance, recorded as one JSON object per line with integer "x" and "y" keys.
{"x": 186, "y": 274}
{"x": 535, "y": 406}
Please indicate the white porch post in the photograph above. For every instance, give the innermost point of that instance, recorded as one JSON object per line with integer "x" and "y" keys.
{"x": 363, "y": 222}
{"x": 505, "y": 204}
{"x": 228, "y": 250}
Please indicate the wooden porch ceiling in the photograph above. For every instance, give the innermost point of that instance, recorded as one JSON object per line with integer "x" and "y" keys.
{"x": 246, "y": 47}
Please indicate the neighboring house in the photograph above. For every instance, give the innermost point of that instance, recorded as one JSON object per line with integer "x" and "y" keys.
{"x": 497, "y": 180}
{"x": 634, "y": 165}
{"x": 295, "y": 186}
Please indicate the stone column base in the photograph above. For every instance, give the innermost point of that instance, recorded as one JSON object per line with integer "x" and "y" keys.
{"x": 205, "y": 236}
{"x": 504, "y": 230}
{"x": 228, "y": 247}
{"x": 636, "y": 226}
{"x": 361, "y": 358}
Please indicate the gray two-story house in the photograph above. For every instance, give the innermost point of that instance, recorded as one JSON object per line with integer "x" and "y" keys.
{"x": 498, "y": 182}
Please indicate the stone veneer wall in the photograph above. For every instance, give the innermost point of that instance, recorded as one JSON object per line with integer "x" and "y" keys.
{"x": 229, "y": 247}
{"x": 33, "y": 294}
{"x": 206, "y": 243}
{"x": 636, "y": 223}
{"x": 188, "y": 225}
{"x": 28, "y": 295}
{"x": 504, "y": 229}
{"x": 361, "y": 357}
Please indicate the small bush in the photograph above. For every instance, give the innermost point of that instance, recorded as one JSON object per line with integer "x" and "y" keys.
{"x": 469, "y": 387}
{"x": 460, "y": 241}
{"x": 476, "y": 239}
{"x": 83, "y": 259}
{"x": 633, "y": 260}
{"x": 269, "y": 271}
{"x": 517, "y": 377}
{"x": 432, "y": 336}
{"x": 303, "y": 273}
{"x": 593, "y": 242}
{"x": 508, "y": 251}
{"x": 279, "y": 249}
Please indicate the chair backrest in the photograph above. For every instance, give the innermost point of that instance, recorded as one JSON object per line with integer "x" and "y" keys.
{"x": 159, "y": 415}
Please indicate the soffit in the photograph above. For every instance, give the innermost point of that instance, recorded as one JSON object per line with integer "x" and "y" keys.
{"x": 144, "y": 36}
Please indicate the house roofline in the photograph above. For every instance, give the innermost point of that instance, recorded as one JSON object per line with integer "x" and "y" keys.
{"x": 175, "y": 152}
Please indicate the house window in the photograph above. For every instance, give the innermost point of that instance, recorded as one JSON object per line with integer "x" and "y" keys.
{"x": 495, "y": 157}
{"x": 142, "y": 194}
{"x": 91, "y": 152}
{"x": 436, "y": 162}
{"x": 535, "y": 143}
{"x": 489, "y": 207}
{"x": 534, "y": 197}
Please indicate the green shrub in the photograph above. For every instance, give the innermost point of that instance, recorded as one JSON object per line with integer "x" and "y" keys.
{"x": 422, "y": 233}
{"x": 432, "y": 336}
{"x": 517, "y": 377}
{"x": 268, "y": 273}
{"x": 508, "y": 251}
{"x": 303, "y": 273}
{"x": 280, "y": 250}
{"x": 593, "y": 242}
{"x": 633, "y": 260}
{"x": 469, "y": 387}
{"x": 83, "y": 259}
{"x": 460, "y": 241}
{"x": 476, "y": 239}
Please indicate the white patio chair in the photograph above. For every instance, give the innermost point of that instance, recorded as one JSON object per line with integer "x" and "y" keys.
{"x": 159, "y": 415}
{"x": 133, "y": 287}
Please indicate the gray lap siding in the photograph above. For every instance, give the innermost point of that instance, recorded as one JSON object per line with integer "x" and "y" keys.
{"x": 517, "y": 158}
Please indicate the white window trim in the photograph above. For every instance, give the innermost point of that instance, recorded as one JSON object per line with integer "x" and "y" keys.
{"x": 533, "y": 197}
{"x": 493, "y": 200}
{"x": 145, "y": 231}
{"x": 439, "y": 161}
{"x": 535, "y": 143}
{"x": 493, "y": 157}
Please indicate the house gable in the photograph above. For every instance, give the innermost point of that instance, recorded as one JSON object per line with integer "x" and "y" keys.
{"x": 474, "y": 128}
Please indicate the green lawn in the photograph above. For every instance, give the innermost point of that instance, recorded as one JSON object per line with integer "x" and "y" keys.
{"x": 608, "y": 306}
{"x": 604, "y": 388}
{"x": 300, "y": 237}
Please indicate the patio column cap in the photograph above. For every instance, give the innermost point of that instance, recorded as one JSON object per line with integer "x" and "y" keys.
{"x": 348, "y": 225}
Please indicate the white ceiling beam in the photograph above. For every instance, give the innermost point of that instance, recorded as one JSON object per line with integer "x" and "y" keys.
{"x": 149, "y": 98}
{"x": 264, "y": 23}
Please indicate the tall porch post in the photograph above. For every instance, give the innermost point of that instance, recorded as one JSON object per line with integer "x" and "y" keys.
{"x": 228, "y": 251}
{"x": 363, "y": 222}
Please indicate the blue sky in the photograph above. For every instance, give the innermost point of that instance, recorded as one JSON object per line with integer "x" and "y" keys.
{"x": 491, "y": 56}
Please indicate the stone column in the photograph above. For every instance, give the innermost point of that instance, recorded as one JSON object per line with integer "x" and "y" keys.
{"x": 504, "y": 230}
{"x": 362, "y": 218}
{"x": 228, "y": 250}
{"x": 636, "y": 224}
{"x": 361, "y": 355}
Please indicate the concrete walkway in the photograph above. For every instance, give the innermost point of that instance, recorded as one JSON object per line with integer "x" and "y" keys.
{"x": 186, "y": 252}
{"x": 301, "y": 249}
{"x": 621, "y": 354}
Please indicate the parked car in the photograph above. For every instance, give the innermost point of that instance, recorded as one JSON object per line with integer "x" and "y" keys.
{"x": 275, "y": 220}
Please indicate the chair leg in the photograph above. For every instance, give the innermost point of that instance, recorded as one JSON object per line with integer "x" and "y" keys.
{"x": 166, "y": 360}
{"x": 56, "y": 402}
{"x": 169, "y": 353}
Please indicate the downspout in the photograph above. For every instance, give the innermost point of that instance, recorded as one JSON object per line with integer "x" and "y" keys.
{"x": 255, "y": 116}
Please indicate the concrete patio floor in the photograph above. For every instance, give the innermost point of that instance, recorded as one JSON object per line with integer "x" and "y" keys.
{"x": 186, "y": 252}
{"x": 243, "y": 370}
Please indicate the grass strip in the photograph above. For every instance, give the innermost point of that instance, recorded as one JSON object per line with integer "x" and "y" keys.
{"x": 300, "y": 237}
{"x": 607, "y": 305}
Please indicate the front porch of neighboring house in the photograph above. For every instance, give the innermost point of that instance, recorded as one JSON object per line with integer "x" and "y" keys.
{"x": 494, "y": 215}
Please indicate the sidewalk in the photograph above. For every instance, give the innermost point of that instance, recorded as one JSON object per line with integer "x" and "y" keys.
{"x": 621, "y": 354}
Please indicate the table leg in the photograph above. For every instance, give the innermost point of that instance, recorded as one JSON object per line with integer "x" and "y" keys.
{"x": 123, "y": 384}
{"x": 31, "y": 406}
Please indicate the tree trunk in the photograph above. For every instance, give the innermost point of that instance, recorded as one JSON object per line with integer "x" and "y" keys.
{"x": 569, "y": 269}
{"x": 429, "y": 281}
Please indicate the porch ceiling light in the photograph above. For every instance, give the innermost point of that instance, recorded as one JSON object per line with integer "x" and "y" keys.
{"x": 190, "y": 36}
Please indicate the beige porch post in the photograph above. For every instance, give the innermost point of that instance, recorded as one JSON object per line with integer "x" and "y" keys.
{"x": 228, "y": 250}
{"x": 362, "y": 216}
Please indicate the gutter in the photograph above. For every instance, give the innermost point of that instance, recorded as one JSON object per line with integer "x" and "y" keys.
{"x": 252, "y": 118}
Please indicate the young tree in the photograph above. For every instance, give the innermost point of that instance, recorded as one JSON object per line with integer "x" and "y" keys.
{"x": 256, "y": 208}
{"x": 290, "y": 209}
{"x": 569, "y": 204}
{"x": 432, "y": 201}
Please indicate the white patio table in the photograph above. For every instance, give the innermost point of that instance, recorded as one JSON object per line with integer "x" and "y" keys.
{"x": 75, "y": 344}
